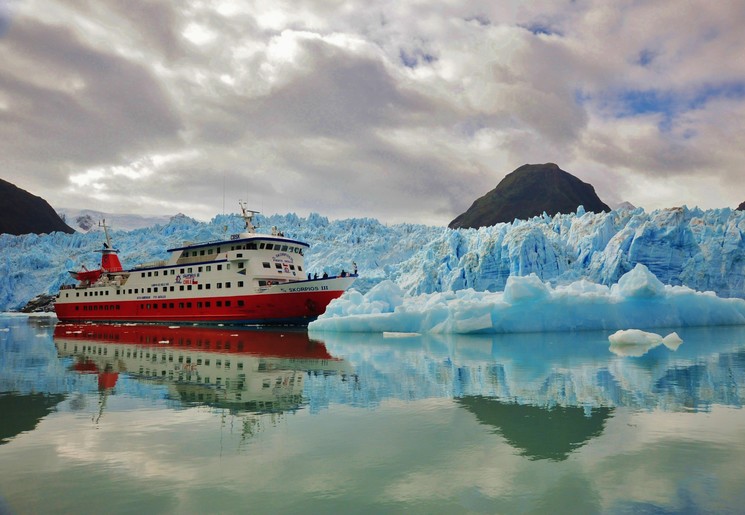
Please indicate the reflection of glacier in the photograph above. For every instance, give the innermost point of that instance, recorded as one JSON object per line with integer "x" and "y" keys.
{"x": 542, "y": 369}
{"x": 254, "y": 371}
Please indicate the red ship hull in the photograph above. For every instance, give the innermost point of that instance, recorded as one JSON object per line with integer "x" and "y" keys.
{"x": 264, "y": 308}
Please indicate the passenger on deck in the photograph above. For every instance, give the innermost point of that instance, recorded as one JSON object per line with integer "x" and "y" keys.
{"x": 343, "y": 274}
{"x": 315, "y": 276}
{"x": 325, "y": 275}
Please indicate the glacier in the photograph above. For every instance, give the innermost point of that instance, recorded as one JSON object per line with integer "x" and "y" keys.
{"x": 568, "y": 254}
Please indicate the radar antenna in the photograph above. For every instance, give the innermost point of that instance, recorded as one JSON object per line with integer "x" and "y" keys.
{"x": 248, "y": 215}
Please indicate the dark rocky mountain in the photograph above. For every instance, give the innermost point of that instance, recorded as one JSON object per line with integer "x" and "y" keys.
{"x": 23, "y": 213}
{"x": 529, "y": 191}
{"x": 741, "y": 207}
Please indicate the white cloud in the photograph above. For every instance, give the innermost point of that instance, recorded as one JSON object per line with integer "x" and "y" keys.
{"x": 379, "y": 100}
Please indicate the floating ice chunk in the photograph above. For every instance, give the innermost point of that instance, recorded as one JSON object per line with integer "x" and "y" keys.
{"x": 672, "y": 341}
{"x": 634, "y": 337}
{"x": 635, "y": 342}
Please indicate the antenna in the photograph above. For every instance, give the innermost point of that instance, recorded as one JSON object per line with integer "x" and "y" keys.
{"x": 248, "y": 215}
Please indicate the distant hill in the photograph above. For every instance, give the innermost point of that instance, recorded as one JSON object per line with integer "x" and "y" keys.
{"x": 529, "y": 191}
{"x": 741, "y": 207}
{"x": 24, "y": 213}
{"x": 84, "y": 220}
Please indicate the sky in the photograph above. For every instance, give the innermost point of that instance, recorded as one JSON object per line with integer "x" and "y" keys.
{"x": 404, "y": 111}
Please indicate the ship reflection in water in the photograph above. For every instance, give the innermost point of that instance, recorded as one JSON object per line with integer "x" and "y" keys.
{"x": 245, "y": 370}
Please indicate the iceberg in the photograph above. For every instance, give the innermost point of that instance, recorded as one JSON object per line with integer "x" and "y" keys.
{"x": 635, "y": 342}
{"x": 528, "y": 304}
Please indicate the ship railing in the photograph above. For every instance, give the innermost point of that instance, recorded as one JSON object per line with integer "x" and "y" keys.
{"x": 152, "y": 264}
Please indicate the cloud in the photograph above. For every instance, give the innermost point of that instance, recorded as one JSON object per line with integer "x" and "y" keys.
{"x": 405, "y": 111}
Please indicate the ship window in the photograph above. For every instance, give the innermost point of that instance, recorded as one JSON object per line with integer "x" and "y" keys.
{"x": 227, "y": 303}
{"x": 170, "y": 305}
{"x": 240, "y": 284}
{"x": 261, "y": 245}
{"x": 284, "y": 248}
{"x": 189, "y": 287}
{"x": 262, "y": 283}
{"x": 77, "y": 294}
{"x": 173, "y": 271}
{"x": 219, "y": 285}
{"x": 181, "y": 271}
{"x": 218, "y": 363}
{"x": 227, "y": 363}
{"x": 207, "y": 286}
{"x": 292, "y": 267}
{"x": 209, "y": 251}
{"x": 149, "y": 274}
{"x": 201, "y": 252}
{"x": 77, "y": 308}
{"x": 218, "y": 303}
{"x": 189, "y": 270}
{"x": 240, "y": 303}
{"x": 251, "y": 246}
{"x": 143, "y": 274}
{"x": 227, "y": 284}
{"x": 171, "y": 288}
{"x": 199, "y": 286}
{"x": 209, "y": 268}
{"x": 240, "y": 255}
{"x": 278, "y": 266}
{"x": 300, "y": 268}
{"x": 155, "y": 306}
{"x": 149, "y": 290}
{"x": 181, "y": 288}
{"x": 227, "y": 267}
{"x": 164, "y": 305}
{"x": 188, "y": 304}
{"x": 219, "y": 267}
{"x": 207, "y": 362}
{"x": 199, "y": 269}
{"x": 206, "y": 305}
{"x": 266, "y": 265}
{"x": 181, "y": 305}
{"x": 241, "y": 265}
{"x": 156, "y": 273}
{"x": 199, "y": 304}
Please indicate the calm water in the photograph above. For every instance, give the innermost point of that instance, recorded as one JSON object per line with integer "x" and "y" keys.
{"x": 183, "y": 420}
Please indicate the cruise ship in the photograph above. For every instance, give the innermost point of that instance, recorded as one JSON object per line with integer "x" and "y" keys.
{"x": 251, "y": 278}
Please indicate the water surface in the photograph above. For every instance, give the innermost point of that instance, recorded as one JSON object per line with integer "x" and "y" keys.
{"x": 119, "y": 419}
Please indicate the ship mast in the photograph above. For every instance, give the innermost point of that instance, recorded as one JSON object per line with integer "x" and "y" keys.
{"x": 248, "y": 215}
{"x": 102, "y": 223}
